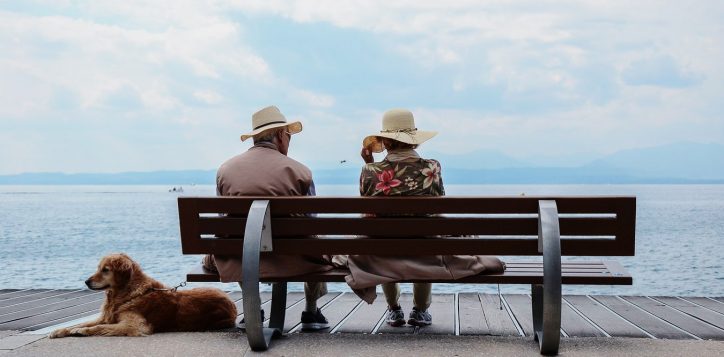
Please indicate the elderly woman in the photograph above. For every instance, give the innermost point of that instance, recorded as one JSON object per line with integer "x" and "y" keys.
{"x": 402, "y": 173}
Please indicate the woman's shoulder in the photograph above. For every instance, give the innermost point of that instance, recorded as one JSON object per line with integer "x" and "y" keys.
{"x": 432, "y": 162}
{"x": 376, "y": 166}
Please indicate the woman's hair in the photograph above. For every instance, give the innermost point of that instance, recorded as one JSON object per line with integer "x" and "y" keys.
{"x": 394, "y": 144}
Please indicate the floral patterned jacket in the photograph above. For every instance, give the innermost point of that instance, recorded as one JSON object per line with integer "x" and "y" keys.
{"x": 402, "y": 178}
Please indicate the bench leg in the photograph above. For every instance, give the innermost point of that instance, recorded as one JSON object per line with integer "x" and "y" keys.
{"x": 279, "y": 306}
{"x": 546, "y": 321}
{"x": 546, "y": 304}
{"x": 258, "y": 232}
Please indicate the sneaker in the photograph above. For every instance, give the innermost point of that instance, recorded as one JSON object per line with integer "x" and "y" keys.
{"x": 242, "y": 324}
{"x": 395, "y": 317}
{"x": 314, "y": 321}
{"x": 419, "y": 317}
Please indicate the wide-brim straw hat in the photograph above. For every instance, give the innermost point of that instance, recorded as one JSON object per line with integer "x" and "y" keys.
{"x": 397, "y": 124}
{"x": 269, "y": 118}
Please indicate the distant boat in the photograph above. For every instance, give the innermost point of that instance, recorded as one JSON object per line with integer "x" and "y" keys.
{"x": 176, "y": 189}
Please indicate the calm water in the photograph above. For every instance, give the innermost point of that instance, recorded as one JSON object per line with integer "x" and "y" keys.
{"x": 53, "y": 236}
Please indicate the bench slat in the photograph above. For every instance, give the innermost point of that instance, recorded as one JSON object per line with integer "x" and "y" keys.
{"x": 413, "y": 226}
{"x": 412, "y": 246}
{"x": 416, "y": 205}
{"x": 569, "y": 276}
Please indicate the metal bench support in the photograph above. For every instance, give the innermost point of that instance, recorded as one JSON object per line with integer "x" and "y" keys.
{"x": 547, "y": 297}
{"x": 257, "y": 239}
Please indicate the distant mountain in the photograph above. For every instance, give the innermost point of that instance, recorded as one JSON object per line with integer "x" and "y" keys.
{"x": 201, "y": 177}
{"x": 680, "y": 160}
{"x": 675, "y": 163}
{"x": 481, "y": 159}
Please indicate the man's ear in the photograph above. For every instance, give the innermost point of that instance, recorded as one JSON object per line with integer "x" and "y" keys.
{"x": 280, "y": 135}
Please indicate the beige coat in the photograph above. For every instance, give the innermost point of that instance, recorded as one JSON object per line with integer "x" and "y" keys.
{"x": 264, "y": 171}
{"x": 367, "y": 271}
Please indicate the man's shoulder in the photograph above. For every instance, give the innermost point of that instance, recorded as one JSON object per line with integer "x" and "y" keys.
{"x": 298, "y": 164}
{"x": 267, "y": 157}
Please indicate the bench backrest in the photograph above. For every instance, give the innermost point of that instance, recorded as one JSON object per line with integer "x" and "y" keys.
{"x": 589, "y": 226}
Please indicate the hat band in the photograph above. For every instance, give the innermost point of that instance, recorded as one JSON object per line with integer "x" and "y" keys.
{"x": 270, "y": 123}
{"x": 407, "y": 130}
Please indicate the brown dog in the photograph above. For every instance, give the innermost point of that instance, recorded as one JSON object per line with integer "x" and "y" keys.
{"x": 137, "y": 305}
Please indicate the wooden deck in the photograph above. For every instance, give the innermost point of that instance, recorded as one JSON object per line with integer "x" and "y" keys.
{"x": 661, "y": 317}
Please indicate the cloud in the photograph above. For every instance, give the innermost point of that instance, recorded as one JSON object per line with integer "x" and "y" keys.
{"x": 208, "y": 96}
{"x": 660, "y": 71}
{"x": 175, "y": 83}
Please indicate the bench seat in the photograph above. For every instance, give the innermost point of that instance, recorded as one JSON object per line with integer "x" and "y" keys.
{"x": 607, "y": 272}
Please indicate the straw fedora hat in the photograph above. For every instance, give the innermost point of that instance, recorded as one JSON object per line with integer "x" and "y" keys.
{"x": 270, "y": 118}
{"x": 397, "y": 124}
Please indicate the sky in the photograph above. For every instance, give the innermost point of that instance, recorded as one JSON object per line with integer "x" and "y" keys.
{"x": 115, "y": 86}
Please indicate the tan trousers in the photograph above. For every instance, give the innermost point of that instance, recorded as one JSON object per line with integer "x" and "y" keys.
{"x": 421, "y": 294}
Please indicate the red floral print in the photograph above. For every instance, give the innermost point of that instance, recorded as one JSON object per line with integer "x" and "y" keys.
{"x": 387, "y": 181}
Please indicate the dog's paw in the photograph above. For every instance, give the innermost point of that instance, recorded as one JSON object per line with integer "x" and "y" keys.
{"x": 61, "y": 332}
{"x": 79, "y": 331}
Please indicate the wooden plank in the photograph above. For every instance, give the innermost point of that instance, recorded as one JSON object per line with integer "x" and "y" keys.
{"x": 676, "y": 318}
{"x": 336, "y": 311}
{"x": 88, "y": 304}
{"x": 42, "y": 309}
{"x": 406, "y": 304}
{"x": 472, "y": 318}
{"x": 61, "y": 320}
{"x": 497, "y": 319}
{"x": 613, "y": 324}
{"x": 234, "y": 295}
{"x": 520, "y": 306}
{"x": 616, "y": 269}
{"x": 643, "y": 320}
{"x": 365, "y": 318}
{"x": 576, "y": 326}
{"x": 442, "y": 310}
{"x": 20, "y": 292}
{"x": 411, "y": 226}
{"x": 3, "y": 292}
{"x": 707, "y": 303}
{"x": 694, "y": 310}
{"x": 417, "y": 205}
{"x": 507, "y": 277}
{"x": 49, "y": 300}
{"x": 265, "y": 299}
{"x": 27, "y": 295}
{"x": 294, "y": 313}
{"x": 413, "y": 246}
{"x": 199, "y": 274}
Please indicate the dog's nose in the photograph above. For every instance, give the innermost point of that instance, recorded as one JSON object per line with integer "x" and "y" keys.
{"x": 88, "y": 283}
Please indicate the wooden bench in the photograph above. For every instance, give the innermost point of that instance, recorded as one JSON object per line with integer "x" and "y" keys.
{"x": 547, "y": 226}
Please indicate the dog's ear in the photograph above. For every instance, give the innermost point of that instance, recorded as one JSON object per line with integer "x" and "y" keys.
{"x": 123, "y": 268}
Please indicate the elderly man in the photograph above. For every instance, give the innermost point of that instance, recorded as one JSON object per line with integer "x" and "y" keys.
{"x": 265, "y": 170}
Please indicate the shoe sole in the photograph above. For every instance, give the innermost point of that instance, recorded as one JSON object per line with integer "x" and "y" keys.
{"x": 396, "y": 323}
{"x": 419, "y": 323}
{"x": 314, "y": 326}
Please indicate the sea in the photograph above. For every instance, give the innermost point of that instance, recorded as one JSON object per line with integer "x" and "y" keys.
{"x": 53, "y": 236}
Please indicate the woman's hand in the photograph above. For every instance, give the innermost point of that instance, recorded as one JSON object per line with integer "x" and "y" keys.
{"x": 367, "y": 155}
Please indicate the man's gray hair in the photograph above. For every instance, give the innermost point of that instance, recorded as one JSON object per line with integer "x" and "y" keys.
{"x": 267, "y": 135}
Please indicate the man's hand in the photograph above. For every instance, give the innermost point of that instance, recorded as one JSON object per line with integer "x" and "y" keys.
{"x": 367, "y": 156}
